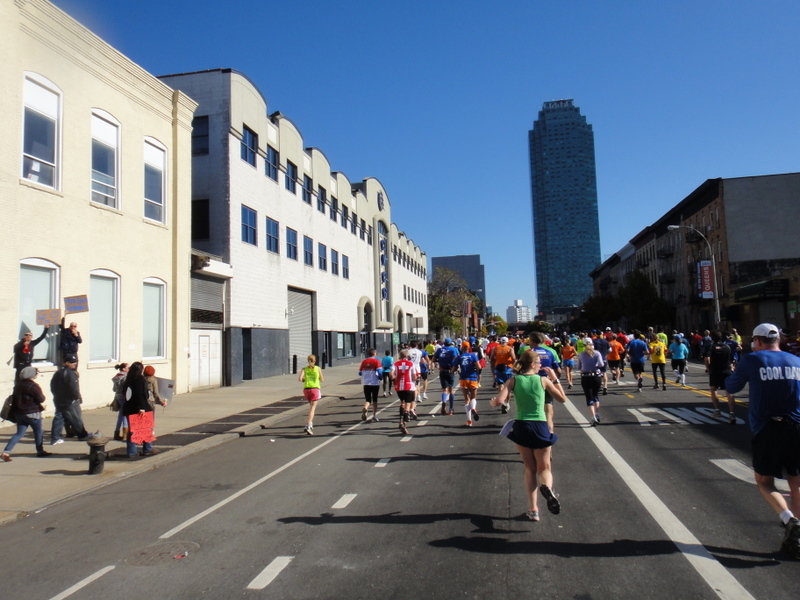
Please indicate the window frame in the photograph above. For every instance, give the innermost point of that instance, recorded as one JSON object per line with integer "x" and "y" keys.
{"x": 308, "y": 187}
{"x": 155, "y": 146}
{"x": 250, "y": 232}
{"x": 334, "y": 262}
{"x": 334, "y": 210}
{"x": 162, "y": 321}
{"x": 273, "y": 237}
{"x": 249, "y": 146}
{"x": 291, "y": 177}
{"x": 322, "y": 256}
{"x": 34, "y": 79}
{"x": 345, "y": 266}
{"x": 291, "y": 244}
{"x": 308, "y": 251}
{"x": 115, "y": 316}
{"x": 322, "y": 199}
{"x": 200, "y": 148}
{"x": 345, "y": 216}
{"x": 106, "y": 119}
{"x": 55, "y": 285}
{"x": 272, "y": 163}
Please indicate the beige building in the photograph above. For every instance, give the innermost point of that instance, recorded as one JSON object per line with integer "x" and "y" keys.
{"x": 95, "y": 188}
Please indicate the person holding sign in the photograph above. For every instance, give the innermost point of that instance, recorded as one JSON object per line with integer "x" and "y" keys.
{"x": 138, "y": 410}
{"x": 23, "y": 351}
{"x": 70, "y": 338}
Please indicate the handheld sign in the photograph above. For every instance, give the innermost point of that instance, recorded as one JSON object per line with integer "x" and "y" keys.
{"x": 48, "y": 316}
{"x": 76, "y": 304}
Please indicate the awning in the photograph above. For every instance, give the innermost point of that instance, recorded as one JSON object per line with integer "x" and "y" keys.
{"x": 774, "y": 288}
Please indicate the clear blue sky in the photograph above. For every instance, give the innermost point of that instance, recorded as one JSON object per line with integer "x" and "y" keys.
{"x": 436, "y": 98}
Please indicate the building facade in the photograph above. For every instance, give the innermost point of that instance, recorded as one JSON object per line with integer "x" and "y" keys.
{"x": 564, "y": 196}
{"x": 469, "y": 267}
{"x": 518, "y": 313}
{"x": 725, "y": 256}
{"x": 95, "y": 188}
{"x": 305, "y": 261}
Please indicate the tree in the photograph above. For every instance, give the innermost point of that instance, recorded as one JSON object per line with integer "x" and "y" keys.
{"x": 447, "y": 295}
{"x": 497, "y": 324}
{"x": 640, "y": 303}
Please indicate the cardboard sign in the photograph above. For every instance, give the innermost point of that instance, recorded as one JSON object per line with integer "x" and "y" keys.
{"x": 142, "y": 427}
{"x": 76, "y": 304}
{"x": 48, "y": 316}
{"x": 166, "y": 389}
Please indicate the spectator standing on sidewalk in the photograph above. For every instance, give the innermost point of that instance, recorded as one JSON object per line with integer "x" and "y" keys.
{"x": 121, "y": 428}
{"x": 67, "y": 401}
{"x": 773, "y": 377}
{"x": 312, "y": 379}
{"x": 70, "y": 339}
{"x": 27, "y": 406}
{"x": 137, "y": 402}
{"x": 23, "y": 351}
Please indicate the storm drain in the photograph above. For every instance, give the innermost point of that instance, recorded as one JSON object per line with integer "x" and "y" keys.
{"x": 158, "y": 554}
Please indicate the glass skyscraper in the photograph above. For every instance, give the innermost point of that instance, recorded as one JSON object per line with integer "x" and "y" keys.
{"x": 566, "y": 229}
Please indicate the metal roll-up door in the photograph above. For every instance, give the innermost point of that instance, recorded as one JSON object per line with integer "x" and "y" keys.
{"x": 207, "y": 300}
{"x": 300, "y": 325}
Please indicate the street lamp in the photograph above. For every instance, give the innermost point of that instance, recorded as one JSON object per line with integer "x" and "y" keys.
{"x": 713, "y": 266}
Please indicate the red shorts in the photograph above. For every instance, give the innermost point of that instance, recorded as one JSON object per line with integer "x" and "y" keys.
{"x": 312, "y": 394}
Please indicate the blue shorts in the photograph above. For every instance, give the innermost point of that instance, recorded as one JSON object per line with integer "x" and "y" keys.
{"x": 569, "y": 363}
{"x": 532, "y": 434}
{"x": 446, "y": 378}
{"x": 503, "y": 373}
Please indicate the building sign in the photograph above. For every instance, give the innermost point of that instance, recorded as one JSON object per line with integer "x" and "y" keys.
{"x": 705, "y": 279}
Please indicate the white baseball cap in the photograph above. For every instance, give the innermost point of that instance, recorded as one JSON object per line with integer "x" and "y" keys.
{"x": 767, "y": 330}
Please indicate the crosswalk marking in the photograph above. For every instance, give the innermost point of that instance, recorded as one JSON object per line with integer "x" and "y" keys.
{"x": 382, "y": 462}
{"x": 742, "y": 472}
{"x": 344, "y": 501}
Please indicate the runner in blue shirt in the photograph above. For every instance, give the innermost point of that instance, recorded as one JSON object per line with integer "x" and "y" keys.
{"x": 446, "y": 357}
{"x": 638, "y": 353}
{"x": 468, "y": 375}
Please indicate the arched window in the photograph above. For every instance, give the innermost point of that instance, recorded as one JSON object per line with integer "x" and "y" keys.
{"x": 104, "y": 316}
{"x": 38, "y": 290}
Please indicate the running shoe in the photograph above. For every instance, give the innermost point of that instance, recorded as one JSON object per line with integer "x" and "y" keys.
{"x": 791, "y": 541}
{"x": 375, "y": 419}
{"x": 424, "y": 396}
{"x": 553, "y": 505}
{"x": 593, "y": 423}
{"x": 57, "y": 442}
{"x": 605, "y": 391}
{"x": 406, "y": 417}
{"x": 716, "y": 414}
{"x": 450, "y": 413}
{"x": 475, "y": 415}
{"x": 403, "y": 429}
{"x": 533, "y": 515}
{"x": 569, "y": 386}
{"x": 655, "y": 387}
{"x": 504, "y": 408}
{"x": 384, "y": 394}
{"x": 444, "y": 409}
{"x": 597, "y": 418}
{"x": 413, "y": 414}
{"x": 732, "y": 419}
{"x": 469, "y": 423}
{"x": 664, "y": 387}
{"x": 309, "y": 429}
{"x": 363, "y": 414}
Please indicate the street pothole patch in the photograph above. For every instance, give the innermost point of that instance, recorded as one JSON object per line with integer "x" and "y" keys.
{"x": 158, "y": 554}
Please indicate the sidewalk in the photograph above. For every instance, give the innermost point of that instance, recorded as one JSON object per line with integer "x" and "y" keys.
{"x": 193, "y": 422}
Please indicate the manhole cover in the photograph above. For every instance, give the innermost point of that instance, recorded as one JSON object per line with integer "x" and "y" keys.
{"x": 158, "y": 554}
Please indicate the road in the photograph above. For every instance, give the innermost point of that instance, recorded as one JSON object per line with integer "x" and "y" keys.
{"x": 656, "y": 503}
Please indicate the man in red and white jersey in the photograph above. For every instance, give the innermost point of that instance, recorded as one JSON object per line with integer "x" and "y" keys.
{"x": 405, "y": 376}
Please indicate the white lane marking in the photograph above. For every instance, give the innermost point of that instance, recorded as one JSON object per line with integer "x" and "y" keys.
{"x": 741, "y": 471}
{"x": 407, "y": 438}
{"x": 643, "y": 419}
{"x": 436, "y": 409}
{"x": 82, "y": 584}
{"x": 382, "y": 462}
{"x": 691, "y": 416}
{"x": 421, "y": 423}
{"x": 271, "y": 571}
{"x": 258, "y": 482}
{"x": 725, "y": 415}
{"x": 344, "y": 501}
{"x": 721, "y": 581}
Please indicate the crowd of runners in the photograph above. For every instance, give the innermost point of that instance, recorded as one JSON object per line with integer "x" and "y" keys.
{"x": 529, "y": 369}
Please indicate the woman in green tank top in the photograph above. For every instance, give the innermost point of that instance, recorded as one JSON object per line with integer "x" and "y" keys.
{"x": 529, "y": 431}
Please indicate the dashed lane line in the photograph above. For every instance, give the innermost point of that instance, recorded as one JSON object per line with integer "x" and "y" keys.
{"x": 82, "y": 584}
{"x": 270, "y": 572}
{"x": 344, "y": 501}
{"x": 382, "y": 462}
{"x": 716, "y": 576}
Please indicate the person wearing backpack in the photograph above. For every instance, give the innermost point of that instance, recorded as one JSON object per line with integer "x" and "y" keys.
{"x": 718, "y": 359}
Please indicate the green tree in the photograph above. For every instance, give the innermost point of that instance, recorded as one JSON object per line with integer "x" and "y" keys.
{"x": 447, "y": 295}
{"x": 640, "y": 303}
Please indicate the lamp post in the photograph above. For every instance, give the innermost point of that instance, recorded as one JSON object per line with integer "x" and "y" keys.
{"x": 713, "y": 267}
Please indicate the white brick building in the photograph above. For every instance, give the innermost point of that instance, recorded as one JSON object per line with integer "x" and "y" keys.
{"x": 317, "y": 265}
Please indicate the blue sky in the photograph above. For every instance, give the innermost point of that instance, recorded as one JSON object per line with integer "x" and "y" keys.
{"x": 436, "y": 98}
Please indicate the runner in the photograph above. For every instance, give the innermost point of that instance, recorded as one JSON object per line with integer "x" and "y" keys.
{"x": 548, "y": 359}
{"x": 568, "y": 355}
{"x": 424, "y": 368}
{"x": 468, "y": 378}
{"x": 679, "y": 352}
{"x": 615, "y": 353}
{"x": 447, "y": 359}
{"x": 637, "y": 351}
{"x": 590, "y": 362}
{"x": 503, "y": 358}
{"x": 658, "y": 360}
{"x": 405, "y": 375}
{"x": 529, "y": 431}
{"x": 718, "y": 359}
{"x": 386, "y": 364}
{"x": 603, "y": 347}
{"x": 312, "y": 379}
{"x": 370, "y": 372}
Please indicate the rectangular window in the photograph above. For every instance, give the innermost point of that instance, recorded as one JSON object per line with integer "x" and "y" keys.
{"x": 345, "y": 266}
{"x": 345, "y": 216}
{"x": 345, "y": 345}
{"x": 201, "y": 219}
{"x": 308, "y": 251}
{"x": 103, "y": 318}
{"x": 307, "y": 186}
{"x": 105, "y": 141}
{"x": 334, "y": 208}
{"x": 249, "y": 227}
{"x": 354, "y": 224}
{"x": 363, "y": 229}
{"x": 291, "y": 176}
{"x": 291, "y": 244}
{"x": 272, "y": 163}
{"x": 249, "y": 145}
{"x": 40, "y": 140}
{"x": 153, "y": 305}
{"x": 154, "y": 163}
{"x": 37, "y": 288}
{"x": 369, "y": 235}
{"x": 273, "y": 236}
{"x": 322, "y": 199}
{"x": 334, "y": 262}
{"x": 322, "y": 257}
{"x": 200, "y": 135}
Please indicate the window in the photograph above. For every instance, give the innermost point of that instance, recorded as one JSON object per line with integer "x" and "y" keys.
{"x": 272, "y": 163}
{"x": 105, "y": 141}
{"x": 308, "y": 251}
{"x": 322, "y": 257}
{"x": 38, "y": 288}
{"x": 322, "y": 199}
{"x": 249, "y": 230}
{"x": 201, "y": 219}
{"x": 354, "y": 224}
{"x": 273, "y": 236}
{"x": 291, "y": 176}
{"x": 345, "y": 345}
{"x": 369, "y": 235}
{"x": 200, "y": 135}
{"x": 363, "y": 230}
{"x": 153, "y": 324}
{"x": 104, "y": 316}
{"x": 307, "y": 185}
{"x": 345, "y": 216}
{"x": 291, "y": 244}
{"x": 345, "y": 266}
{"x": 334, "y": 208}
{"x": 154, "y": 189}
{"x": 334, "y": 262}
{"x": 41, "y": 129}
{"x": 249, "y": 145}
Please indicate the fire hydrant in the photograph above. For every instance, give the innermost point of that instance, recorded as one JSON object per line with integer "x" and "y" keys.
{"x": 97, "y": 454}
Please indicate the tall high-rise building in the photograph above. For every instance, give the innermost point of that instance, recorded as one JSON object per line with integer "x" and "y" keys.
{"x": 469, "y": 267}
{"x": 566, "y": 230}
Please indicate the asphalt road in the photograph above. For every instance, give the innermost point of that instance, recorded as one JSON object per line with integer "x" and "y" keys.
{"x": 656, "y": 503}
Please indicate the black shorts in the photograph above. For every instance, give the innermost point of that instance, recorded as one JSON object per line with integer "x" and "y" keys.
{"x": 446, "y": 378}
{"x": 717, "y": 380}
{"x": 637, "y": 367}
{"x": 614, "y": 364}
{"x": 776, "y": 449}
{"x": 424, "y": 376}
{"x": 532, "y": 434}
{"x": 406, "y": 396}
